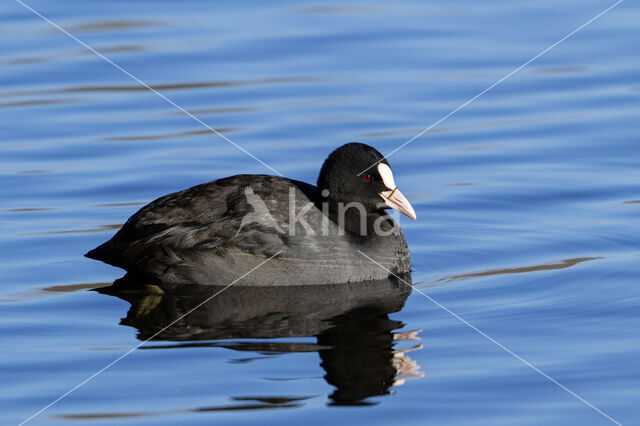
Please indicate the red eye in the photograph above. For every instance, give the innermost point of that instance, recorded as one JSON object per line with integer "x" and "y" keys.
{"x": 367, "y": 178}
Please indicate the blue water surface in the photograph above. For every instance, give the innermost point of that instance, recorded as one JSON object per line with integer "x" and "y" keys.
{"x": 528, "y": 201}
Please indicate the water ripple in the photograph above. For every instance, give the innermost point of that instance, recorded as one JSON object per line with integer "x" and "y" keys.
{"x": 567, "y": 263}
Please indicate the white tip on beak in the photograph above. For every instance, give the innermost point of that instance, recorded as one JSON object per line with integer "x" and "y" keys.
{"x": 393, "y": 197}
{"x": 397, "y": 201}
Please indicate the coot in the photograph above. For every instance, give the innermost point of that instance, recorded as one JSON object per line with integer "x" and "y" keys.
{"x": 215, "y": 232}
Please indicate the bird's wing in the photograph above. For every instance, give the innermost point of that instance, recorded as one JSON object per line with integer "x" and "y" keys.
{"x": 236, "y": 213}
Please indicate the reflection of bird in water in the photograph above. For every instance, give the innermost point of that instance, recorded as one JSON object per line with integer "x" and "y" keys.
{"x": 355, "y": 336}
{"x": 361, "y": 360}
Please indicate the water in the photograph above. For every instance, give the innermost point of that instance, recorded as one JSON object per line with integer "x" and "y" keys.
{"x": 527, "y": 199}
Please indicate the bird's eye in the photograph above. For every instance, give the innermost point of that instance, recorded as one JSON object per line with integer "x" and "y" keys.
{"x": 367, "y": 178}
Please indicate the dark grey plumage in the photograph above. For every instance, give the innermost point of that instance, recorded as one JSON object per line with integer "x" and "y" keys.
{"x": 215, "y": 232}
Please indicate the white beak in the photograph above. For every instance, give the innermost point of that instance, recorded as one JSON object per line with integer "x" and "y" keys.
{"x": 394, "y": 199}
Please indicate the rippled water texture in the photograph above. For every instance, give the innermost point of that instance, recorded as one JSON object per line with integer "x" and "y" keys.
{"x": 527, "y": 199}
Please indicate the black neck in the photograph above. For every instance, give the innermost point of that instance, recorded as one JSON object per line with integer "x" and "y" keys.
{"x": 354, "y": 221}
